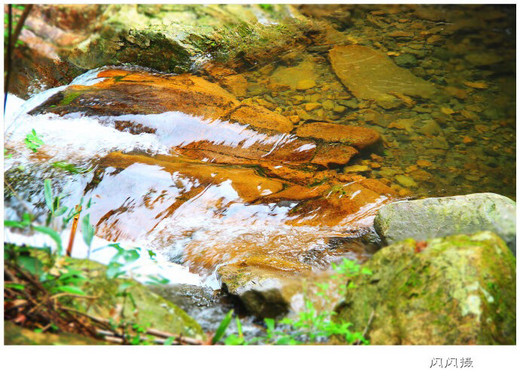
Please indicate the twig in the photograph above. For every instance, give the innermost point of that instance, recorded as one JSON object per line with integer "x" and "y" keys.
{"x": 186, "y": 340}
{"x": 7, "y": 57}
{"x": 366, "y": 328}
{"x": 150, "y": 331}
{"x": 20, "y": 24}
{"x": 74, "y": 296}
{"x": 73, "y": 231}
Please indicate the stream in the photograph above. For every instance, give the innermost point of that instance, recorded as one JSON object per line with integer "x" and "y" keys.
{"x": 205, "y": 186}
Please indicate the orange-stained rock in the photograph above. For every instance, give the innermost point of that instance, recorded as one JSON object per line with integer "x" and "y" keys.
{"x": 124, "y": 92}
{"x": 333, "y": 154}
{"x": 236, "y": 84}
{"x": 260, "y": 117}
{"x": 378, "y": 187}
{"x": 356, "y": 136}
{"x": 245, "y": 182}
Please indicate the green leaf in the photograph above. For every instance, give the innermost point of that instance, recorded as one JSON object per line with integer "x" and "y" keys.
{"x": 69, "y": 289}
{"x": 239, "y": 327}
{"x": 87, "y": 230}
{"x": 31, "y": 264}
{"x": 157, "y": 280}
{"x": 48, "y": 194}
{"x": 234, "y": 340}
{"x": 114, "y": 270}
{"x": 69, "y": 167}
{"x": 53, "y": 234}
{"x": 17, "y": 224}
{"x": 269, "y": 323}
{"x": 169, "y": 341}
{"x": 61, "y": 211}
{"x": 123, "y": 286}
{"x": 14, "y": 285}
{"x": 222, "y": 327}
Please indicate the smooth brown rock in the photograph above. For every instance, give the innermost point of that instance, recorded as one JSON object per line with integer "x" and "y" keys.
{"x": 356, "y": 136}
{"x": 371, "y": 75}
{"x": 122, "y": 92}
{"x": 261, "y": 117}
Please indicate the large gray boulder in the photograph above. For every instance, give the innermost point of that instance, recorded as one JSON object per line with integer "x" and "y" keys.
{"x": 436, "y": 217}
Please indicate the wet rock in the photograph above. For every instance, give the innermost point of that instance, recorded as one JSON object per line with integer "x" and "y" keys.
{"x": 121, "y": 92}
{"x": 371, "y": 75}
{"x": 236, "y": 84}
{"x": 261, "y": 117}
{"x": 406, "y": 181}
{"x": 406, "y": 60}
{"x": 457, "y": 290}
{"x": 300, "y": 77}
{"x": 305, "y": 84}
{"x": 265, "y": 292}
{"x": 356, "y": 136}
{"x": 436, "y": 217}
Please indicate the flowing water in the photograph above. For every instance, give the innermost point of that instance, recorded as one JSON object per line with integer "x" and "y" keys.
{"x": 203, "y": 189}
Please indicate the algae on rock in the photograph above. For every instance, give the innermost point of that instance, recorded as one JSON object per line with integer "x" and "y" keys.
{"x": 460, "y": 289}
{"x": 152, "y": 311}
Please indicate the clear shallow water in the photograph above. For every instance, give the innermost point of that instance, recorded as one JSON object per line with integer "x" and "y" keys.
{"x": 191, "y": 212}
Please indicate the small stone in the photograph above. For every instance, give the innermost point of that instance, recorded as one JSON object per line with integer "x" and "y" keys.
{"x": 298, "y": 99}
{"x": 339, "y": 109}
{"x": 388, "y": 172}
{"x": 457, "y": 92}
{"x": 430, "y": 127}
{"x": 294, "y": 119}
{"x": 406, "y": 181}
{"x": 402, "y": 124}
{"x": 447, "y": 111}
{"x": 468, "y": 140}
{"x": 406, "y": 60}
{"x": 328, "y": 105}
{"x": 352, "y": 103}
{"x": 305, "y": 84}
{"x": 374, "y": 165}
{"x": 423, "y": 163}
{"x": 356, "y": 169}
{"x": 472, "y": 178}
{"x": 476, "y": 85}
{"x": 310, "y": 106}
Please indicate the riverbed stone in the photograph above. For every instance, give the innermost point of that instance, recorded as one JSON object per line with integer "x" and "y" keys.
{"x": 356, "y": 136}
{"x": 264, "y": 291}
{"x": 435, "y": 217}
{"x": 261, "y": 117}
{"x": 457, "y": 290}
{"x": 371, "y": 75}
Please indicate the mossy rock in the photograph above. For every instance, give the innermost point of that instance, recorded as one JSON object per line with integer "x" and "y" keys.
{"x": 457, "y": 290}
{"x": 152, "y": 310}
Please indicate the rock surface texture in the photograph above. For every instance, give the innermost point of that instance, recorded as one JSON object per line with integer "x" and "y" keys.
{"x": 436, "y": 217}
{"x": 458, "y": 290}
